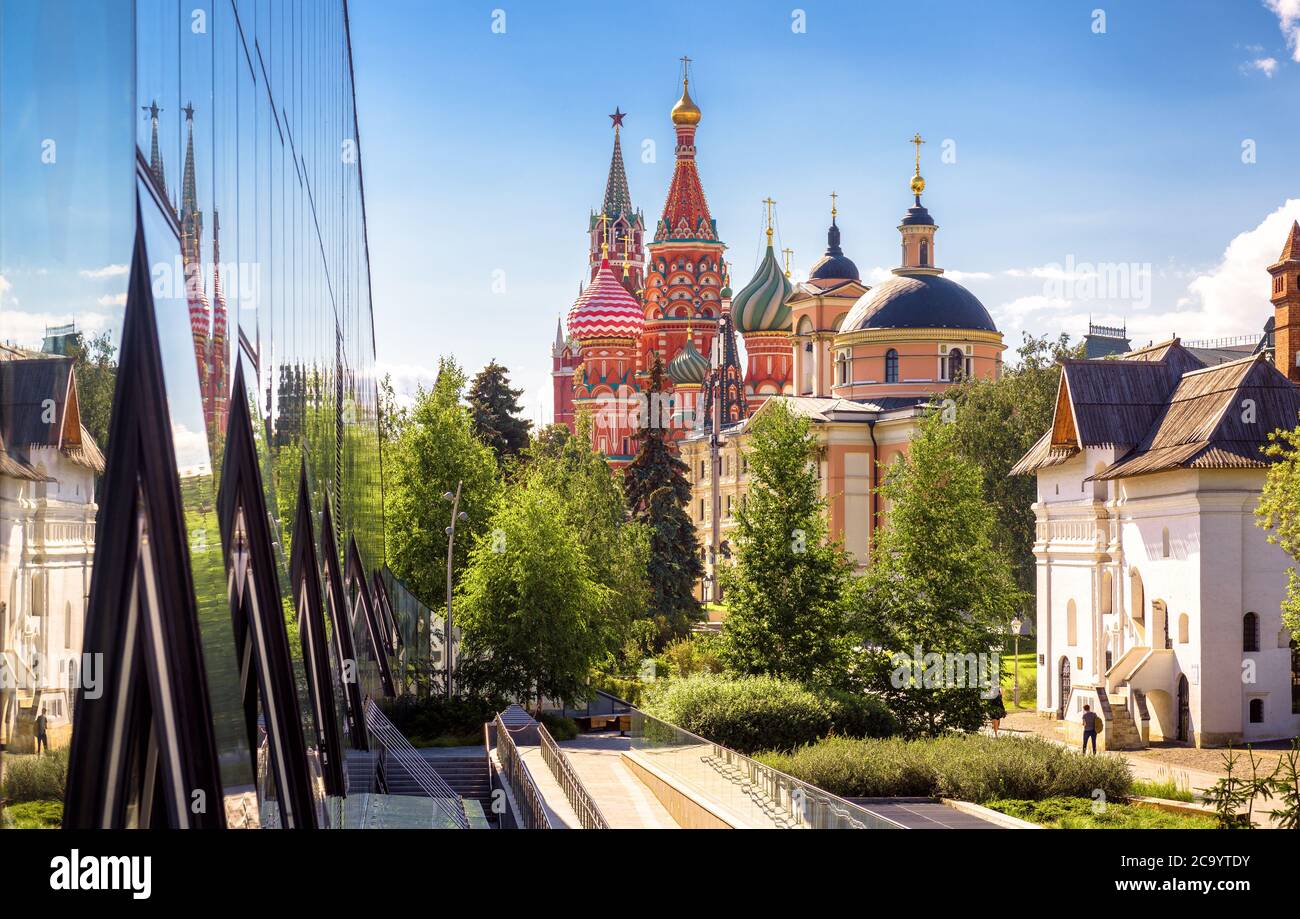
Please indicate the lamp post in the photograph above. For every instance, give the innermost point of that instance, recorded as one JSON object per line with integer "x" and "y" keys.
{"x": 1015, "y": 663}
{"x": 456, "y": 515}
{"x": 715, "y": 498}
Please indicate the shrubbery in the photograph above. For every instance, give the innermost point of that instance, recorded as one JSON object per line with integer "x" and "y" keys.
{"x": 1080, "y": 814}
{"x": 968, "y": 767}
{"x": 763, "y": 713}
{"x": 33, "y": 815}
{"x": 439, "y": 722}
{"x": 36, "y": 778}
{"x": 560, "y": 727}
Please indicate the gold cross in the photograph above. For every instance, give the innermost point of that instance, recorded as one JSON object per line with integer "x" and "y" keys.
{"x": 686, "y": 68}
{"x": 604, "y": 238}
{"x": 769, "y": 202}
{"x": 916, "y": 139}
{"x": 833, "y": 210}
{"x": 788, "y": 253}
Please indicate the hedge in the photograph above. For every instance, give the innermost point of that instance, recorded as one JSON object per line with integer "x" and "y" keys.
{"x": 755, "y": 713}
{"x": 968, "y": 767}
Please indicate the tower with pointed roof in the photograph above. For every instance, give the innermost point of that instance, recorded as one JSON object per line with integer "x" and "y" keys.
{"x": 763, "y": 319}
{"x": 1286, "y": 306}
{"x": 625, "y": 225}
{"x": 685, "y": 274}
{"x": 565, "y": 359}
{"x": 196, "y": 296}
{"x": 155, "y": 151}
{"x": 216, "y": 398}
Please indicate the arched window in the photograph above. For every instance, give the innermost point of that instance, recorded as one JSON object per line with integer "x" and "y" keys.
{"x": 891, "y": 366}
{"x": 1295, "y": 677}
{"x": 1183, "y": 629}
{"x": 1107, "y": 593}
{"x": 1164, "y": 542}
{"x": 956, "y": 364}
{"x": 925, "y": 253}
{"x": 1071, "y": 624}
{"x": 1256, "y": 711}
{"x": 1250, "y": 632}
{"x": 1137, "y": 597}
{"x": 67, "y": 625}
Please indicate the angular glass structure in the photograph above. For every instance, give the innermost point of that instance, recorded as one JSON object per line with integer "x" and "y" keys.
{"x": 192, "y": 591}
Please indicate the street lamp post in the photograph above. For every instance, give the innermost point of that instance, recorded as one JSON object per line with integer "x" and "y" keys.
{"x": 715, "y": 462}
{"x": 1015, "y": 663}
{"x": 456, "y": 515}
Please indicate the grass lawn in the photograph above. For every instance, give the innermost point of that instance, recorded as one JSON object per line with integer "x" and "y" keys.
{"x": 1026, "y": 666}
{"x": 1079, "y": 814}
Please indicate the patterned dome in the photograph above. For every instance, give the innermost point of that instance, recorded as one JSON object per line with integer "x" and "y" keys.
{"x": 760, "y": 305}
{"x": 605, "y": 309}
{"x": 689, "y": 366}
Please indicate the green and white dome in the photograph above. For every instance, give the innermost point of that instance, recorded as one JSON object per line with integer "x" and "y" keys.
{"x": 760, "y": 305}
{"x": 689, "y": 366}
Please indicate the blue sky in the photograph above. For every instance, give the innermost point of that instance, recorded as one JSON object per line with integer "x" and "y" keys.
{"x": 1067, "y": 147}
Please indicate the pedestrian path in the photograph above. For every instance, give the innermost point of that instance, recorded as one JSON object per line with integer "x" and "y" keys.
{"x": 623, "y": 798}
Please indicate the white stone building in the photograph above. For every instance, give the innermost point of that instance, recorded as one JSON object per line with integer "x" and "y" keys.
{"x": 48, "y": 467}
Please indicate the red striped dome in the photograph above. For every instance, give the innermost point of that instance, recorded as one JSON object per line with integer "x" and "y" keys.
{"x": 605, "y": 310}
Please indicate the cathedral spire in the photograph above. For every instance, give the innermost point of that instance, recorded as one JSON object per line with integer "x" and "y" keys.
{"x": 686, "y": 212}
{"x": 618, "y": 200}
{"x": 155, "y": 155}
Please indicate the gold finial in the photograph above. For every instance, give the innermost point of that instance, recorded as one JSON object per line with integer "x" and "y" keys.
{"x": 833, "y": 210}
{"x": 918, "y": 183}
{"x": 788, "y": 253}
{"x": 769, "y": 202}
{"x": 604, "y": 235}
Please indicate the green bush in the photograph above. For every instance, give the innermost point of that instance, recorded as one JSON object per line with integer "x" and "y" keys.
{"x": 626, "y": 688}
{"x": 35, "y": 778}
{"x": 969, "y": 767}
{"x": 1080, "y": 814}
{"x": 762, "y": 713}
{"x": 560, "y": 728}
{"x": 441, "y": 722}
{"x": 34, "y": 815}
{"x": 691, "y": 656}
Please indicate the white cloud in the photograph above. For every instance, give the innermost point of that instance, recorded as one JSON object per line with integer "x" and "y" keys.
{"x": 27, "y": 330}
{"x": 954, "y": 274}
{"x": 112, "y": 300}
{"x": 407, "y": 378}
{"x": 5, "y": 286}
{"x": 1288, "y": 19}
{"x": 108, "y": 271}
{"x": 1265, "y": 65}
{"x": 1026, "y": 312}
{"x": 191, "y": 447}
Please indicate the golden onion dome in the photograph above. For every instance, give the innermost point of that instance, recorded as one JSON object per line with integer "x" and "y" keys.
{"x": 686, "y": 111}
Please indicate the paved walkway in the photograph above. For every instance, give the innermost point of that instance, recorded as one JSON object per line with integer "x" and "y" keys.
{"x": 623, "y": 798}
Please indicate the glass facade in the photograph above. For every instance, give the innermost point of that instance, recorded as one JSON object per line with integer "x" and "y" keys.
{"x": 187, "y": 385}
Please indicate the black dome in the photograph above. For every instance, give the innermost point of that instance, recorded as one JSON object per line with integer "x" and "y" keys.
{"x": 834, "y": 265}
{"x": 923, "y": 301}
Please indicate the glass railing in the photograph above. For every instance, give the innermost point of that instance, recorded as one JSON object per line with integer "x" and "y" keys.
{"x": 738, "y": 789}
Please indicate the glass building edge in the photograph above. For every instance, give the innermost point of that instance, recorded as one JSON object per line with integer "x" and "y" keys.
{"x": 266, "y": 260}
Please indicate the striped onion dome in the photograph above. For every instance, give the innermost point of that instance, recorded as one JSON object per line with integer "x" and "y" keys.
{"x": 605, "y": 309}
{"x": 760, "y": 305}
{"x": 689, "y": 366}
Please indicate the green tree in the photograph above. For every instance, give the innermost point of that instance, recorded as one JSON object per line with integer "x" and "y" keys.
{"x": 657, "y": 493}
{"x": 995, "y": 422}
{"x": 1279, "y": 511}
{"x": 788, "y": 589}
{"x": 495, "y": 408}
{"x": 436, "y": 449}
{"x": 392, "y": 415}
{"x": 937, "y": 585}
{"x": 96, "y": 369}
{"x": 590, "y": 499}
{"x": 530, "y": 609}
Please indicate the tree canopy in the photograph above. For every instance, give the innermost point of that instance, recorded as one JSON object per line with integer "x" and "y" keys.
{"x": 788, "y": 588}
{"x": 494, "y": 408}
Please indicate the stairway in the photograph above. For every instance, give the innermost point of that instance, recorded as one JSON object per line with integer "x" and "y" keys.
{"x": 1121, "y": 732}
{"x": 468, "y": 775}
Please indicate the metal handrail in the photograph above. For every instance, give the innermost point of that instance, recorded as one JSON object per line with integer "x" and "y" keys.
{"x": 580, "y": 799}
{"x": 521, "y": 782}
{"x": 805, "y": 804}
{"x": 417, "y": 767}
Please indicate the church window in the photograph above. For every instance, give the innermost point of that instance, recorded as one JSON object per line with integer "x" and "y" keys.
{"x": 1250, "y": 632}
{"x": 925, "y": 253}
{"x": 891, "y": 366}
{"x": 67, "y": 625}
{"x": 1183, "y": 629}
{"x": 1256, "y": 711}
{"x": 1106, "y": 592}
{"x": 956, "y": 364}
{"x": 1164, "y": 542}
{"x": 1138, "y": 597}
{"x": 701, "y": 508}
{"x": 1071, "y": 624}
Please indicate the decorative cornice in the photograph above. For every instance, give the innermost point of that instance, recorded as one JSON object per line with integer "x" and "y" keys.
{"x": 874, "y": 335}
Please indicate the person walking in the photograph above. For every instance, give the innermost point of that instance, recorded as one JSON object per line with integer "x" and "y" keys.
{"x": 1091, "y": 725}
{"x": 42, "y": 744}
{"x": 997, "y": 710}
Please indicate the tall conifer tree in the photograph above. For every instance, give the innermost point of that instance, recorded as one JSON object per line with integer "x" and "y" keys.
{"x": 495, "y": 409}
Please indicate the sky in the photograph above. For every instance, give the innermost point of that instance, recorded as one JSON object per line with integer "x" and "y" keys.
{"x": 1159, "y": 146}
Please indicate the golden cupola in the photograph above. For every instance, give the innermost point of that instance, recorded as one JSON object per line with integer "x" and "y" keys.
{"x": 686, "y": 111}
